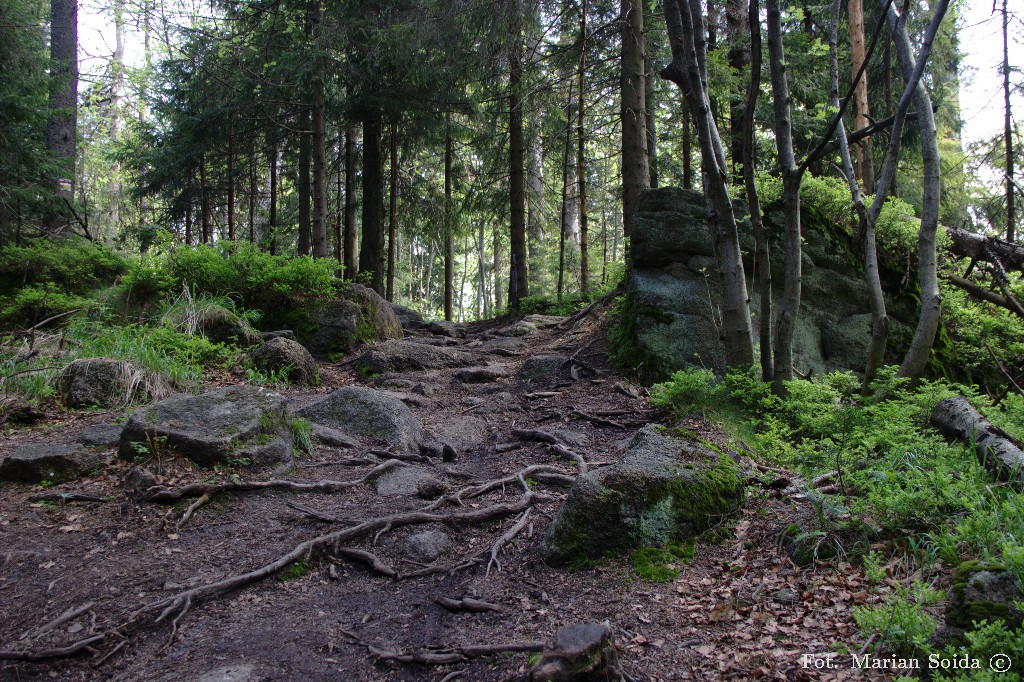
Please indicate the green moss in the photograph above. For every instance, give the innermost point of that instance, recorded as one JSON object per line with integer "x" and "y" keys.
{"x": 296, "y": 570}
{"x": 661, "y": 564}
{"x": 630, "y": 353}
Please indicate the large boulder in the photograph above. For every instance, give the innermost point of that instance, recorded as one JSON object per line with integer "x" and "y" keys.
{"x": 231, "y": 425}
{"x": 338, "y": 326}
{"x": 289, "y": 358}
{"x": 105, "y": 382}
{"x": 542, "y": 367}
{"x": 368, "y": 412}
{"x": 407, "y": 317}
{"x": 56, "y": 463}
{"x": 666, "y": 487}
{"x": 402, "y": 356}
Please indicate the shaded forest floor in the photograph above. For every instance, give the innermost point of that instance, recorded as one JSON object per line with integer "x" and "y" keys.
{"x": 739, "y": 610}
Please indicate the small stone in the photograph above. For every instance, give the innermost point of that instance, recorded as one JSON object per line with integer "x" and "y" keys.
{"x": 579, "y": 653}
{"x": 431, "y": 488}
{"x": 370, "y": 413}
{"x": 426, "y": 545}
{"x": 424, "y": 389}
{"x": 333, "y": 437}
{"x": 786, "y": 596}
{"x": 984, "y": 590}
{"x": 19, "y": 411}
{"x": 480, "y": 375}
{"x": 138, "y": 480}
{"x": 449, "y": 329}
{"x": 279, "y": 334}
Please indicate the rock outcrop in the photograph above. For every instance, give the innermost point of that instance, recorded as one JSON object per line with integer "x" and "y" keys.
{"x": 105, "y": 382}
{"x": 232, "y": 425}
{"x": 666, "y": 487}
{"x": 56, "y": 463}
{"x": 368, "y": 412}
{"x": 402, "y": 356}
{"x": 338, "y": 326}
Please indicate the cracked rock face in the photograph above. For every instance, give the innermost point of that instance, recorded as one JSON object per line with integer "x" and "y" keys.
{"x": 233, "y": 425}
{"x": 368, "y": 412}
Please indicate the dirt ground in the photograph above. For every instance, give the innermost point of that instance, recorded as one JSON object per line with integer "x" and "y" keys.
{"x": 722, "y": 618}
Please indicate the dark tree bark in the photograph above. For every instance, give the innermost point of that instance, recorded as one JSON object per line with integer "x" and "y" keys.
{"x": 204, "y": 200}
{"x": 564, "y": 214}
{"x": 392, "y": 215}
{"x": 305, "y": 152}
{"x": 684, "y": 115}
{"x": 272, "y": 213}
{"x": 449, "y": 231}
{"x": 981, "y": 248}
{"x": 62, "y": 125}
{"x": 581, "y": 156}
{"x": 636, "y": 174}
{"x": 737, "y": 30}
{"x": 319, "y": 227}
{"x": 862, "y": 111}
{"x": 351, "y": 234}
{"x": 790, "y": 304}
{"x": 231, "y": 182}
{"x": 518, "y": 287}
{"x": 371, "y": 255}
{"x": 689, "y": 70}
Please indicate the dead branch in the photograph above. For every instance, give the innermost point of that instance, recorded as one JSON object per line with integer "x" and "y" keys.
{"x": 506, "y": 538}
{"x": 318, "y": 515}
{"x": 63, "y": 652}
{"x": 405, "y": 457}
{"x": 542, "y": 394}
{"x": 203, "y": 499}
{"x": 200, "y": 489}
{"x": 368, "y": 558}
{"x": 507, "y": 447}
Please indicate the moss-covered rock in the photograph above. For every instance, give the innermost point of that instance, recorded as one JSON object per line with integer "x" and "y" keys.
{"x": 984, "y": 590}
{"x": 665, "y": 488}
{"x": 370, "y": 413}
{"x": 288, "y": 357}
{"x": 338, "y": 326}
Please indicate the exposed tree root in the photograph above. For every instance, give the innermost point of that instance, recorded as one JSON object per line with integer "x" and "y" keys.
{"x": 595, "y": 419}
{"x": 454, "y": 654}
{"x": 65, "y": 617}
{"x": 67, "y": 497}
{"x": 368, "y": 558}
{"x": 211, "y": 489}
{"x": 581, "y": 464}
{"x": 506, "y": 538}
{"x": 81, "y": 646}
{"x": 467, "y": 604}
{"x": 537, "y": 434}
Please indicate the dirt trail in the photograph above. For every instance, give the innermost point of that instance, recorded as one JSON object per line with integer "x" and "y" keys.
{"x": 723, "y": 617}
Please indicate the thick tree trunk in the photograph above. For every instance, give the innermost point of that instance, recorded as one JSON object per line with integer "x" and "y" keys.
{"x": 272, "y": 212}
{"x": 499, "y": 267}
{"x": 564, "y": 217}
{"x": 188, "y": 209}
{"x": 1011, "y": 209}
{"x": 339, "y": 204}
{"x": 371, "y": 255}
{"x": 535, "y": 207}
{"x": 319, "y": 227}
{"x": 997, "y": 451}
{"x": 636, "y": 174}
{"x": 204, "y": 200}
{"x": 861, "y": 112}
{"x": 231, "y": 182}
{"x": 392, "y": 215}
{"x": 790, "y": 305}
{"x": 518, "y": 287}
{"x": 689, "y": 71}
{"x": 117, "y": 89}
{"x": 252, "y": 197}
{"x": 684, "y": 115}
{"x": 917, "y": 355}
{"x": 305, "y": 152}
{"x": 762, "y": 261}
{"x": 61, "y": 127}
{"x": 351, "y": 234}
{"x": 449, "y": 232}
{"x": 980, "y": 247}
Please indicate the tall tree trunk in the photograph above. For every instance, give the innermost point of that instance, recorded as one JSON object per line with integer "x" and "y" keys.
{"x": 684, "y": 115}
{"x": 351, "y": 267}
{"x": 371, "y": 255}
{"x": 917, "y": 355}
{"x": 1011, "y": 210}
{"x": 188, "y": 209}
{"x": 581, "y": 157}
{"x": 449, "y": 230}
{"x": 305, "y": 151}
{"x": 339, "y": 203}
{"x": 636, "y": 174}
{"x": 392, "y": 214}
{"x": 231, "y": 182}
{"x": 272, "y": 212}
{"x": 204, "y": 200}
{"x": 790, "y": 305}
{"x": 736, "y": 27}
{"x": 252, "y": 197}
{"x": 689, "y": 70}
{"x": 862, "y": 112}
{"x": 762, "y": 261}
{"x": 535, "y": 207}
{"x": 319, "y": 228}
{"x": 499, "y": 267}
{"x": 116, "y": 118}
{"x": 518, "y": 287}
{"x": 564, "y": 215}
{"x": 61, "y": 127}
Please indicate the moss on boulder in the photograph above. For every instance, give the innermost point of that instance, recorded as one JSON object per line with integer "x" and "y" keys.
{"x": 984, "y": 590}
{"x": 666, "y": 488}
{"x": 338, "y": 326}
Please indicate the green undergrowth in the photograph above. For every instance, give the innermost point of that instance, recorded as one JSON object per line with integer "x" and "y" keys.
{"x": 902, "y": 486}
{"x": 662, "y": 564}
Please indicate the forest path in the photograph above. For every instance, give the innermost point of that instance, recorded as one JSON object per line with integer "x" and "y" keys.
{"x": 739, "y": 610}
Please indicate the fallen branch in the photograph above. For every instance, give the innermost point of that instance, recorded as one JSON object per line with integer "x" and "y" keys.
{"x": 65, "y": 617}
{"x": 467, "y": 604}
{"x": 998, "y": 452}
{"x": 199, "y": 502}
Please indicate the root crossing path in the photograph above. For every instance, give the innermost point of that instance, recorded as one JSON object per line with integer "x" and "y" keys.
{"x": 366, "y": 563}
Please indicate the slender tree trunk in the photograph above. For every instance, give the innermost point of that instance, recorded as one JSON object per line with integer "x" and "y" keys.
{"x": 339, "y": 203}
{"x": 581, "y": 158}
{"x": 1011, "y": 210}
{"x": 535, "y": 207}
{"x": 319, "y": 227}
{"x": 252, "y": 197}
{"x": 231, "y": 182}
{"x": 465, "y": 275}
{"x": 204, "y": 200}
{"x": 917, "y": 355}
{"x": 188, "y": 209}
{"x": 499, "y": 267}
{"x": 351, "y": 267}
{"x": 762, "y": 261}
{"x": 116, "y": 118}
{"x": 564, "y": 221}
{"x": 518, "y": 277}
{"x": 449, "y": 230}
{"x": 862, "y": 112}
{"x": 61, "y": 127}
{"x": 272, "y": 212}
{"x": 636, "y": 174}
{"x": 305, "y": 152}
{"x": 684, "y": 115}
{"x": 393, "y": 214}
{"x": 737, "y": 25}
{"x": 790, "y": 305}
{"x": 889, "y": 109}
{"x": 481, "y": 306}
{"x": 689, "y": 70}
